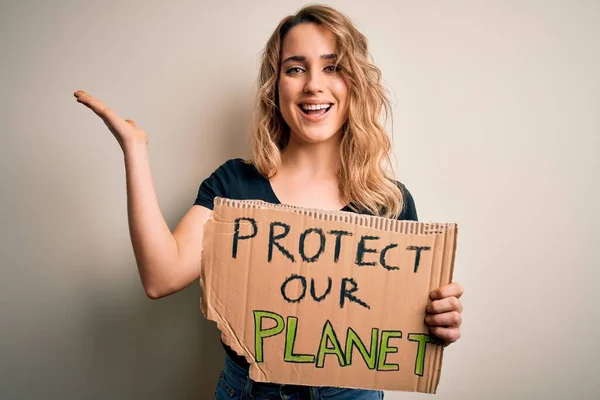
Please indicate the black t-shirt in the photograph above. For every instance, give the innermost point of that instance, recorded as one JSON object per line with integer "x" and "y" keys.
{"x": 239, "y": 180}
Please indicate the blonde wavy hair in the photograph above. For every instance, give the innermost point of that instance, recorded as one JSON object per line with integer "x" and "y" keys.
{"x": 365, "y": 146}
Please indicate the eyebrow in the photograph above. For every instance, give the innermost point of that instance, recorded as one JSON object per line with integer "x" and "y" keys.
{"x": 303, "y": 59}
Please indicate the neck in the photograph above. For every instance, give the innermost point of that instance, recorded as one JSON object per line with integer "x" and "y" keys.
{"x": 316, "y": 161}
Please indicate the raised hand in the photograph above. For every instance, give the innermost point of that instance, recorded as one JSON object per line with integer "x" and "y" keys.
{"x": 125, "y": 131}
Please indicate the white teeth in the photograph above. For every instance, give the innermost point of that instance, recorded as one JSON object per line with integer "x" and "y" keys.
{"x": 314, "y": 106}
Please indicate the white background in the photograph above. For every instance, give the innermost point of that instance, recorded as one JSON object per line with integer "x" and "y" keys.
{"x": 496, "y": 127}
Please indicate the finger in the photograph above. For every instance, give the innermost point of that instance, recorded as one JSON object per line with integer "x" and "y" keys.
{"x": 449, "y": 319}
{"x": 95, "y": 105}
{"x": 89, "y": 101}
{"x": 448, "y": 335}
{"x": 451, "y": 289}
{"x": 131, "y": 122}
{"x": 445, "y": 305}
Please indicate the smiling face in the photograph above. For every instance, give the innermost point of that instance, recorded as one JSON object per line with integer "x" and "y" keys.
{"x": 313, "y": 95}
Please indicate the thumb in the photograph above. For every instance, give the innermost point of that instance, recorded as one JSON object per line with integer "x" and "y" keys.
{"x": 131, "y": 122}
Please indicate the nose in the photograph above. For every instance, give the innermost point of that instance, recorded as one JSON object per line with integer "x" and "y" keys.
{"x": 314, "y": 83}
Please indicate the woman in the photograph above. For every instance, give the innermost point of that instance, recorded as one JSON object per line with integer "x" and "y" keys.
{"x": 318, "y": 143}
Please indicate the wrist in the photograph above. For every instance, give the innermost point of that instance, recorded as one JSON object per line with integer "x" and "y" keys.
{"x": 135, "y": 150}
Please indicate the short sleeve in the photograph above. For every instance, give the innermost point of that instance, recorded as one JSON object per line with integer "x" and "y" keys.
{"x": 409, "y": 211}
{"x": 214, "y": 186}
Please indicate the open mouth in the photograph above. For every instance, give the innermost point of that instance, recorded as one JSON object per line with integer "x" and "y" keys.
{"x": 315, "y": 109}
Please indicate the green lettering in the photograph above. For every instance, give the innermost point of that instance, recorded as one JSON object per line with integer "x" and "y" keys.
{"x": 384, "y": 349}
{"x": 328, "y": 335}
{"x": 353, "y": 340}
{"x": 422, "y": 339}
{"x": 260, "y": 333}
{"x": 290, "y": 339}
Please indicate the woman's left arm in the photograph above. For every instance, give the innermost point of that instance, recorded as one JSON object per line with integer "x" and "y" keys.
{"x": 444, "y": 314}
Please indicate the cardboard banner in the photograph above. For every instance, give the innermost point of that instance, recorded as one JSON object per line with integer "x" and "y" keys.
{"x": 319, "y": 298}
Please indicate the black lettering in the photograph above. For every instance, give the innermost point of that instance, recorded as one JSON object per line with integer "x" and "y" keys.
{"x": 312, "y": 290}
{"x": 321, "y": 245}
{"x": 418, "y": 255}
{"x": 347, "y": 293}
{"x": 288, "y": 280}
{"x": 274, "y": 238}
{"x": 362, "y": 249}
{"x": 382, "y": 257}
{"x": 236, "y": 233}
{"x": 338, "y": 242}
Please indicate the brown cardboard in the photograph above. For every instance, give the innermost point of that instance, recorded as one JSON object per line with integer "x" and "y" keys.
{"x": 382, "y": 304}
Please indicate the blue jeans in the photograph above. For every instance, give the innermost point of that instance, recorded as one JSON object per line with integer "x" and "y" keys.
{"x": 235, "y": 384}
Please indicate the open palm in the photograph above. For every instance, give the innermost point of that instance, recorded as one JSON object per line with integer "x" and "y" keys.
{"x": 125, "y": 131}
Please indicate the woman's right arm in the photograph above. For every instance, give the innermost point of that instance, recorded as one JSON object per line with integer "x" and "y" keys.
{"x": 167, "y": 262}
